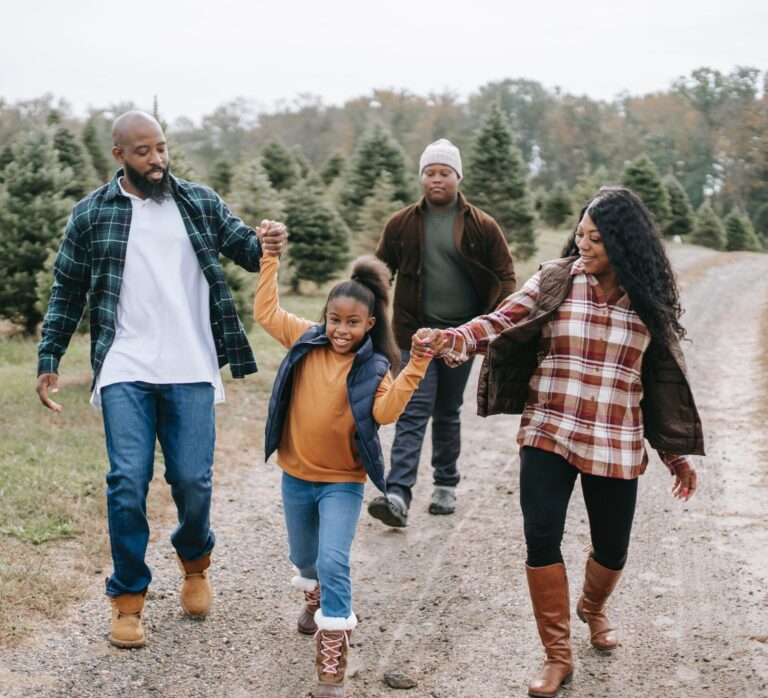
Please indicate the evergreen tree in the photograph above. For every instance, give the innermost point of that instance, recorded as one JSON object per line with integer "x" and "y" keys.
{"x": 279, "y": 164}
{"x": 375, "y": 212}
{"x": 709, "y": 230}
{"x": 681, "y": 217}
{"x": 319, "y": 240}
{"x": 760, "y": 221}
{"x": 32, "y": 213}
{"x": 739, "y": 233}
{"x": 96, "y": 151}
{"x": 375, "y": 152}
{"x": 557, "y": 206}
{"x": 221, "y": 177}
{"x": 72, "y": 154}
{"x": 6, "y": 158}
{"x": 642, "y": 177}
{"x": 332, "y": 168}
{"x": 253, "y": 199}
{"x": 496, "y": 182}
{"x": 179, "y": 162}
{"x": 588, "y": 183}
{"x": 304, "y": 166}
{"x": 251, "y": 196}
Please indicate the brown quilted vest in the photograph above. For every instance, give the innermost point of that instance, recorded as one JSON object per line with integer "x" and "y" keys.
{"x": 671, "y": 421}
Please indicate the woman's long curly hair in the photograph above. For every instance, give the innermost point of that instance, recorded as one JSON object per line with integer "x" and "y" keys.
{"x": 369, "y": 284}
{"x": 633, "y": 243}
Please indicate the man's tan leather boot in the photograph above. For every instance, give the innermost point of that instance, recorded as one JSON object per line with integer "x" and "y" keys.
{"x": 126, "y": 630}
{"x": 196, "y": 590}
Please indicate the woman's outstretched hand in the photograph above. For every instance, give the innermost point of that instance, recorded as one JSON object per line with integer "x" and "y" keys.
{"x": 685, "y": 485}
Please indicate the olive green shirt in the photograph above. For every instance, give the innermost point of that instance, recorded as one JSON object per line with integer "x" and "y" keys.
{"x": 450, "y": 297}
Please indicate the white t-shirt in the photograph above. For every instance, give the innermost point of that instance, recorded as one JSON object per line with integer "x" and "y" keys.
{"x": 163, "y": 330}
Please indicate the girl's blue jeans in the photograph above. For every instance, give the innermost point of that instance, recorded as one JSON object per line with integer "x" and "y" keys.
{"x": 181, "y": 417}
{"x": 321, "y": 518}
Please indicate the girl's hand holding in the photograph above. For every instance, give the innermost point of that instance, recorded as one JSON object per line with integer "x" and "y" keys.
{"x": 273, "y": 237}
{"x": 420, "y": 344}
{"x": 685, "y": 485}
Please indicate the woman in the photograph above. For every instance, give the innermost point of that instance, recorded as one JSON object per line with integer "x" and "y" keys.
{"x": 589, "y": 352}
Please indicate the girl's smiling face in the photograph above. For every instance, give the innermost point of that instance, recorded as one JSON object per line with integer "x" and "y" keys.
{"x": 346, "y": 323}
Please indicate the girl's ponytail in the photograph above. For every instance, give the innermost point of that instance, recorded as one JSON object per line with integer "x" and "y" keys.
{"x": 369, "y": 284}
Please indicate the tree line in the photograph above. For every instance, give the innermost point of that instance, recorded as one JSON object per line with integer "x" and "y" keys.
{"x": 697, "y": 154}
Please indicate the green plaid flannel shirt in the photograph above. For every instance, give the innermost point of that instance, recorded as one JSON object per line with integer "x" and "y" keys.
{"x": 90, "y": 265}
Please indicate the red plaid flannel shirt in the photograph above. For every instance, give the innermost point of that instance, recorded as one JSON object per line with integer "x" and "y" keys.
{"x": 584, "y": 397}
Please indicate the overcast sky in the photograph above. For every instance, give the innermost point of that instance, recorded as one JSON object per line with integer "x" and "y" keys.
{"x": 198, "y": 55}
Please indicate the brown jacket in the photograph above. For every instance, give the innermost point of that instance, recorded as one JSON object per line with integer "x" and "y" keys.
{"x": 478, "y": 239}
{"x": 670, "y": 419}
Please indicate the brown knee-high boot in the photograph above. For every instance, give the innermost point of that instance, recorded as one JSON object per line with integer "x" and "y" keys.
{"x": 548, "y": 587}
{"x": 599, "y": 583}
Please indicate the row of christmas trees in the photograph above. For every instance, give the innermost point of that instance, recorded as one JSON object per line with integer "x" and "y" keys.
{"x": 331, "y": 212}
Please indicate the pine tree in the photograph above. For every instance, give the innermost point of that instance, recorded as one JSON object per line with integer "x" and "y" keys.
{"x": 376, "y": 152}
{"x": 761, "y": 224}
{"x": 557, "y": 206}
{"x": 304, "y": 166}
{"x": 279, "y": 164}
{"x": 587, "y": 185}
{"x": 72, "y": 154}
{"x": 253, "y": 199}
{"x": 6, "y": 158}
{"x": 96, "y": 151}
{"x": 375, "y": 212}
{"x": 642, "y": 177}
{"x": 496, "y": 182}
{"x": 33, "y": 211}
{"x": 251, "y": 196}
{"x": 179, "y": 163}
{"x": 319, "y": 239}
{"x": 709, "y": 230}
{"x": 681, "y": 217}
{"x": 739, "y": 233}
{"x": 221, "y": 177}
{"x": 332, "y": 168}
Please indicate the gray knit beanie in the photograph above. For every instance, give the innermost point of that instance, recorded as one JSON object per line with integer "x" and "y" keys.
{"x": 441, "y": 152}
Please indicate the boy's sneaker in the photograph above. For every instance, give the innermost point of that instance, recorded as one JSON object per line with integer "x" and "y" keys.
{"x": 443, "y": 500}
{"x": 390, "y": 510}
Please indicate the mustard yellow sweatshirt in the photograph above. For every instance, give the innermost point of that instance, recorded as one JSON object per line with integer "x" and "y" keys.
{"x": 317, "y": 443}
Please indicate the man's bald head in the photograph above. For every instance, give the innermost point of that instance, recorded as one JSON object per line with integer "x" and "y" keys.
{"x": 141, "y": 150}
{"x": 126, "y": 126}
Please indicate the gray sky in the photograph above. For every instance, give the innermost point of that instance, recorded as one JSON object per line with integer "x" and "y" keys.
{"x": 198, "y": 55}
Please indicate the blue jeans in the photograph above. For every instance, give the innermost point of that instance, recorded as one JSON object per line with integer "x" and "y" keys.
{"x": 181, "y": 417}
{"x": 439, "y": 396}
{"x": 321, "y": 518}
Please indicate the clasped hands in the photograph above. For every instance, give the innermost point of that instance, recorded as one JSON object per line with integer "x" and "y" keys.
{"x": 428, "y": 343}
{"x": 273, "y": 237}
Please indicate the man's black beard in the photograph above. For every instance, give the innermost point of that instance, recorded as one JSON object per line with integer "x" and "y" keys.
{"x": 157, "y": 191}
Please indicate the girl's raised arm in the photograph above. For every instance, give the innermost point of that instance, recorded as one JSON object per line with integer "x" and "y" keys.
{"x": 280, "y": 324}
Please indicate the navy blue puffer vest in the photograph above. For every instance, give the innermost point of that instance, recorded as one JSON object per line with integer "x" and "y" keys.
{"x": 368, "y": 368}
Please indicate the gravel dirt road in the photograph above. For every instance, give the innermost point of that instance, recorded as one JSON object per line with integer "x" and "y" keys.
{"x": 445, "y": 600}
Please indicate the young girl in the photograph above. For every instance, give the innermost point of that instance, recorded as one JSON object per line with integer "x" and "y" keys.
{"x": 331, "y": 392}
{"x": 589, "y": 352}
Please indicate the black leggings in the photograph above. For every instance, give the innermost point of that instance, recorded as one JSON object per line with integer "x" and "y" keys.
{"x": 546, "y": 483}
